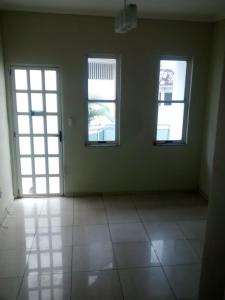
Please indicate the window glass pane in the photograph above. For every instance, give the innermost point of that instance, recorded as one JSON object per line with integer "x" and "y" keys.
{"x": 101, "y": 79}
{"x": 52, "y": 124}
{"x": 170, "y": 122}
{"x": 50, "y": 80}
{"x": 39, "y": 163}
{"x": 35, "y": 80}
{"x": 24, "y": 143}
{"x": 39, "y": 145}
{"x": 53, "y": 165}
{"x": 23, "y": 124}
{"x": 53, "y": 145}
{"x": 172, "y": 80}
{"x": 40, "y": 185}
{"x": 36, "y": 102}
{"x": 101, "y": 121}
{"x": 22, "y": 102}
{"x": 21, "y": 79}
{"x": 27, "y": 185}
{"x": 51, "y": 103}
{"x": 54, "y": 185}
{"x": 25, "y": 164}
{"x": 38, "y": 124}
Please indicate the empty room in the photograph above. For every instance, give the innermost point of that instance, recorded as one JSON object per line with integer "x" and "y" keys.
{"x": 112, "y": 150}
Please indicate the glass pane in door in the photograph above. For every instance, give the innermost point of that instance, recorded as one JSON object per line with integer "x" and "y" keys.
{"x": 39, "y": 145}
{"x": 39, "y": 163}
{"x": 53, "y": 165}
{"x": 22, "y": 102}
{"x": 23, "y": 124}
{"x": 38, "y": 124}
{"x": 54, "y": 185}
{"x": 40, "y": 183}
{"x": 27, "y": 185}
{"x": 26, "y": 166}
{"x": 24, "y": 145}
{"x": 36, "y": 102}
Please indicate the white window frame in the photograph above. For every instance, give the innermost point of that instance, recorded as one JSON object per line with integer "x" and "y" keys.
{"x": 185, "y": 101}
{"x": 116, "y": 101}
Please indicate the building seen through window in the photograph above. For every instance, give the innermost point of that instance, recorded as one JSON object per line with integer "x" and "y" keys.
{"x": 171, "y": 100}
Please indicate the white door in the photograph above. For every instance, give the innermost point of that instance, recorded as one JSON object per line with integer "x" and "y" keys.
{"x": 38, "y": 132}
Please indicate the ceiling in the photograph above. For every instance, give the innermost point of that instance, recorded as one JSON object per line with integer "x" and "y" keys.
{"x": 199, "y": 10}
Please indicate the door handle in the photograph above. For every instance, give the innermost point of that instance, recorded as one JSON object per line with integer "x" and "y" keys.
{"x": 60, "y": 136}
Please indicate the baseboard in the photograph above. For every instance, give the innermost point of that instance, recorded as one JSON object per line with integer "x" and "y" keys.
{"x": 135, "y": 193}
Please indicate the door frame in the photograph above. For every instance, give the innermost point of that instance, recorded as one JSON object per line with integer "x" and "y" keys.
{"x": 14, "y": 128}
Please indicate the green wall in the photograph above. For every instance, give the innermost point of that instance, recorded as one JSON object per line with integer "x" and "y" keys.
{"x": 135, "y": 165}
{"x": 213, "y": 96}
{"x": 5, "y": 164}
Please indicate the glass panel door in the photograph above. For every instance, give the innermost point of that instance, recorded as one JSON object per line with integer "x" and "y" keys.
{"x": 38, "y": 130}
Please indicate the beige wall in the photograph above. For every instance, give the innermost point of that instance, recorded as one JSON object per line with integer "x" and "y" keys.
{"x": 214, "y": 90}
{"x": 5, "y": 165}
{"x": 136, "y": 164}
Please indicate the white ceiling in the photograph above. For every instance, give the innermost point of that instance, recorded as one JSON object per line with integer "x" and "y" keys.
{"x": 202, "y": 10}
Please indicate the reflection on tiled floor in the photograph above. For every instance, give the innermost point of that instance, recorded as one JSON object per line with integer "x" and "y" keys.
{"x": 118, "y": 247}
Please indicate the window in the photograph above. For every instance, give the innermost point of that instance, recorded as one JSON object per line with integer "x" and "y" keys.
{"x": 103, "y": 100}
{"x": 173, "y": 100}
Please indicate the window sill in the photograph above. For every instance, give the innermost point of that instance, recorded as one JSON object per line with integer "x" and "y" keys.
{"x": 169, "y": 143}
{"x": 102, "y": 144}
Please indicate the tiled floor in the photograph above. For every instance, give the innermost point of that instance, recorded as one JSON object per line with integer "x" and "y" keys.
{"x": 103, "y": 248}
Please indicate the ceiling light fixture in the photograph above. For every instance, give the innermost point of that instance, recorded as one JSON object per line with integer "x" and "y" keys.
{"x": 127, "y": 19}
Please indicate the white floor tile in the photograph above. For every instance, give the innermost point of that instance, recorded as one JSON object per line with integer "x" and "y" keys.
{"x": 155, "y": 214}
{"x": 13, "y": 262}
{"x": 46, "y": 287}
{"x": 163, "y": 231}
{"x": 96, "y": 286}
{"x": 193, "y": 229}
{"x": 145, "y": 284}
{"x": 86, "y": 234}
{"x": 53, "y": 238}
{"x": 130, "y": 232}
{"x": 54, "y": 261}
{"x": 184, "y": 280}
{"x": 28, "y": 207}
{"x": 93, "y": 257}
{"x": 122, "y": 215}
{"x": 12, "y": 238}
{"x": 197, "y": 246}
{"x": 129, "y": 255}
{"x": 28, "y": 223}
{"x": 90, "y": 216}
{"x": 57, "y": 205}
{"x": 119, "y": 201}
{"x": 174, "y": 252}
{"x": 88, "y": 203}
{"x": 56, "y": 219}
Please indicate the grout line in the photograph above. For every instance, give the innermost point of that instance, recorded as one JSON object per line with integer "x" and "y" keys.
{"x": 160, "y": 264}
{"x": 167, "y": 279}
{"x": 194, "y": 252}
{"x": 29, "y": 251}
{"x": 114, "y": 254}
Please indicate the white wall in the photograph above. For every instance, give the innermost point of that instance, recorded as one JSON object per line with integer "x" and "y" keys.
{"x": 214, "y": 90}
{"x": 136, "y": 164}
{"x": 5, "y": 165}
